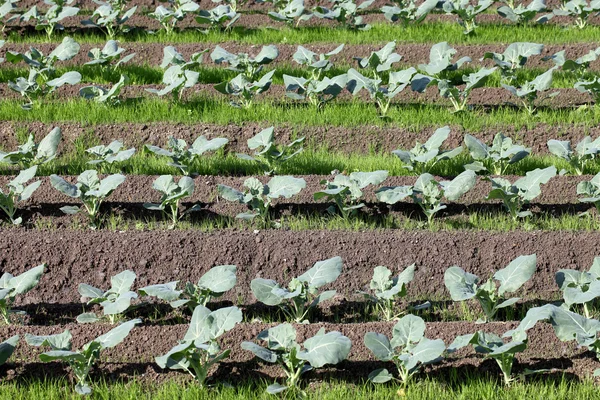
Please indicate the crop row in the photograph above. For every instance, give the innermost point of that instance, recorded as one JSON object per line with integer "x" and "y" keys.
{"x": 378, "y": 77}
{"x": 408, "y": 349}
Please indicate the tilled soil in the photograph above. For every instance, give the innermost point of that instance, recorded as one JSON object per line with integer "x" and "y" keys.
{"x": 92, "y": 257}
{"x": 144, "y": 343}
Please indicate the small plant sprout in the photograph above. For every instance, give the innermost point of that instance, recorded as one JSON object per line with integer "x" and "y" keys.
{"x": 440, "y": 60}
{"x": 529, "y": 92}
{"x": 515, "y": 57}
{"x": 423, "y": 157}
{"x": 302, "y": 294}
{"x": 578, "y": 66}
{"x": 90, "y": 190}
{"x": 345, "y": 12}
{"x": 109, "y": 57}
{"x": 514, "y": 196}
{"x": 243, "y": 63}
{"x": 466, "y": 12}
{"x": 199, "y": 350}
{"x": 7, "y": 348}
{"x": 221, "y": 17}
{"x": 579, "y": 10}
{"x": 12, "y": 286}
{"x": 591, "y": 190}
{"x": 585, "y": 152}
{"x": 522, "y": 14}
{"x": 387, "y": 290}
{"x": 495, "y": 158}
{"x": 18, "y": 191}
{"x": 115, "y": 302}
{"x": 281, "y": 348}
{"x": 212, "y": 285}
{"x": 580, "y": 287}
{"x": 291, "y": 12}
{"x": 346, "y": 191}
{"x": 407, "y": 11}
{"x": 109, "y": 154}
{"x": 111, "y": 17}
{"x": 82, "y": 361}
{"x": 171, "y": 194}
{"x": 109, "y": 97}
{"x": 258, "y": 197}
{"x": 184, "y": 157}
{"x": 408, "y": 349}
{"x": 8, "y": 7}
{"x": 428, "y": 193}
{"x": 491, "y": 296}
{"x": 50, "y": 21}
{"x": 268, "y": 154}
{"x": 30, "y": 153}
{"x": 169, "y": 17}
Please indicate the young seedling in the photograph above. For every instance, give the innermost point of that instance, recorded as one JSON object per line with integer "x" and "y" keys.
{"x": 30, "y": 153}
{"x": 408, "y": 349}
{"x": 423, "y": 157}
{"x": 346, "y": 191}
{"x": 172, "y": 193}
{"x": 407, "y": 11}
{"x": 243, "y": 63}
{"x": 428, "y": 193}
{"x": 109, "y": 57}
{"x": 90, "y": 190}
{"x": 345, "y": 12}
{"x": 115, "y": 302}
{"x": 12, "y": 286}
{"x": 244, "y": 90}
{"x": 585, "y": 152}
{"x": 514, "y": 196}
{"x": 291, "y": 12}
{"x": 466, "y": 12}
{"x": 109, "y": 97}
{"x": 59, "y": 341}
{"x": 18, "y": 192}
{"x": 579, "y": 10}
{"x": 591, "y": 190}
{"x": 169, "y": 17}
{"x": 8, "y": 7}
{"x": 523, "y": 14}
{"x": 281, "y": 348}
{"x": 302, "y": 293}
{"x": 7, "y": 348}
{"x": 212, "y": 285}
{"x": 109, "y": 154}
{"x": 491, "y": 296}
{"x": 50, "y": 21}
{"x": 580, "y": 287}
{"x": 184, "y": 157}
{"x": 111, "y": 17}
{"x": 258, "y": 197}
{"x": 82, "y": 361}
{"x": 514, "y": 57}
{"x": 221, "y": 17}
{"x": 268, "y": 154}
{"x": 497, "y": 157}
{"x": 529, "y": 92}
{"x": 199, "y": 350}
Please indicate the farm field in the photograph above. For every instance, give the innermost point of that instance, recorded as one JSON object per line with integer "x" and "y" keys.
{"x": 299, "y": 199}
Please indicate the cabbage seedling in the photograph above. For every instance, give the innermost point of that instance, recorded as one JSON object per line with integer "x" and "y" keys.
{"x": 268, "y": 154}
{"x": 115, "y": 302}
{"x": 111, "y": 17}
{"x": 345, "y": 12}
{"x": 407, "y": 11}
{"x": 590, "y": 189}
{"x": 12, "y": 286}
{"x": 8, "y": 7}
{"x": 497, "y": 157}
{"x": 522, "y": 14}
{"x": 17, "y": 192}
{"x": 244, "y": 89}
{"x": 7, "y": 348}
{"x": 109, "y": 96}
{"x": 172, "y": 193}
{"x": 580, "y": 287}
{"x": 514, "y": 57}
{"x": 302, "y": 294}
{"x": 111, "y": 153}
{"x": 291, "y": 12}
{"x": 59, "y": 341}
{"x": 199, "y": 350}
{"x": 466, "y": 12}
{"x": 491, "y": 296}
{"x": 30, "y": 153}
{"x": 222, "y": 17}
{"x": 408, "y": 349}
{"x": 90, "y": 190}
{"x": 580, "y": 10}
{"x": 82, "y": 361}
{"x": 109, "y": 56}
{"x": 529, "y": 92}
{"x": 169, "y": 17}
{"x": 50, "y": 21}
{"x": 281, "y": 348}
{"x": 440, "y": 60}
{"x": 585, "y": 151}
{"x": 243, "y": 63}
{"x": 213, "y": 284}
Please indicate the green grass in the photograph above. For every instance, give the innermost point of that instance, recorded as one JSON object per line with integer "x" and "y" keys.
{"x": 381, "y": 32}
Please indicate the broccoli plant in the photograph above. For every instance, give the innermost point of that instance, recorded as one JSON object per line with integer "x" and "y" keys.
{"x": 580, "y": 287}
{"x": 30, "y": 153}
{"x": 50, "y": 21}
{"x": 109, "y": 97}
{"x": 514, "y": 196}
{"x": 213, "y": 284}
{"x": 522, "y": 14}
{"x": 184, "y": 157}
{"x": 281, "y": 348}
{"x": 579, "y": 66}
{"x": 386, "y": 291}
{"x": 591, "y": 87}
{"x": 585, "y": 151}
{"x": 514, "y": 57}
{"x": 12, "y": 286}
{"x": 18, "y": 192}
{"x": 7, "y": 348}
{"x": 42, "y": 79}
{"x": 579, "y": 10}
{"x": 380, "y": 61}
{"x": 345, "y": 12}
{"x": 111, "y": 17}
{"x": 440, "y": 60}
{"x": 258, "y": 197}
{"x": 171, "y": 195}
{"x": 291, "y": 12}
{"x": 8, "y": 7}
{"x": 591, "y": 190}
{"x": 407, "y": 11}
{"x": 428, "y": 193}
{"x": 115, "y": 302}
{"x": 497, "y": 157}
{"x": 302, "y": 294}
{"x": 179, "y": 74}
{"x": 528, "y": 92}
{"x": 346, "y": 191}
{"x": 82, "y": 361}
{"x": 268, "y": 154}
{"x": 466, "y": 12}
{"x": 423, "y": 157}
{"x": 222, "y": 17}
{"x": 109, "y": 57}
{"x": 199, "y": 350}
{"x": 90, "y": 190}
{"x": 243, "y": 63}
{"x": 109, "y": 154}
{"x": 408, "y": 349}
{"x": 491, "y": 296}
{"x": 168, "y": 17}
